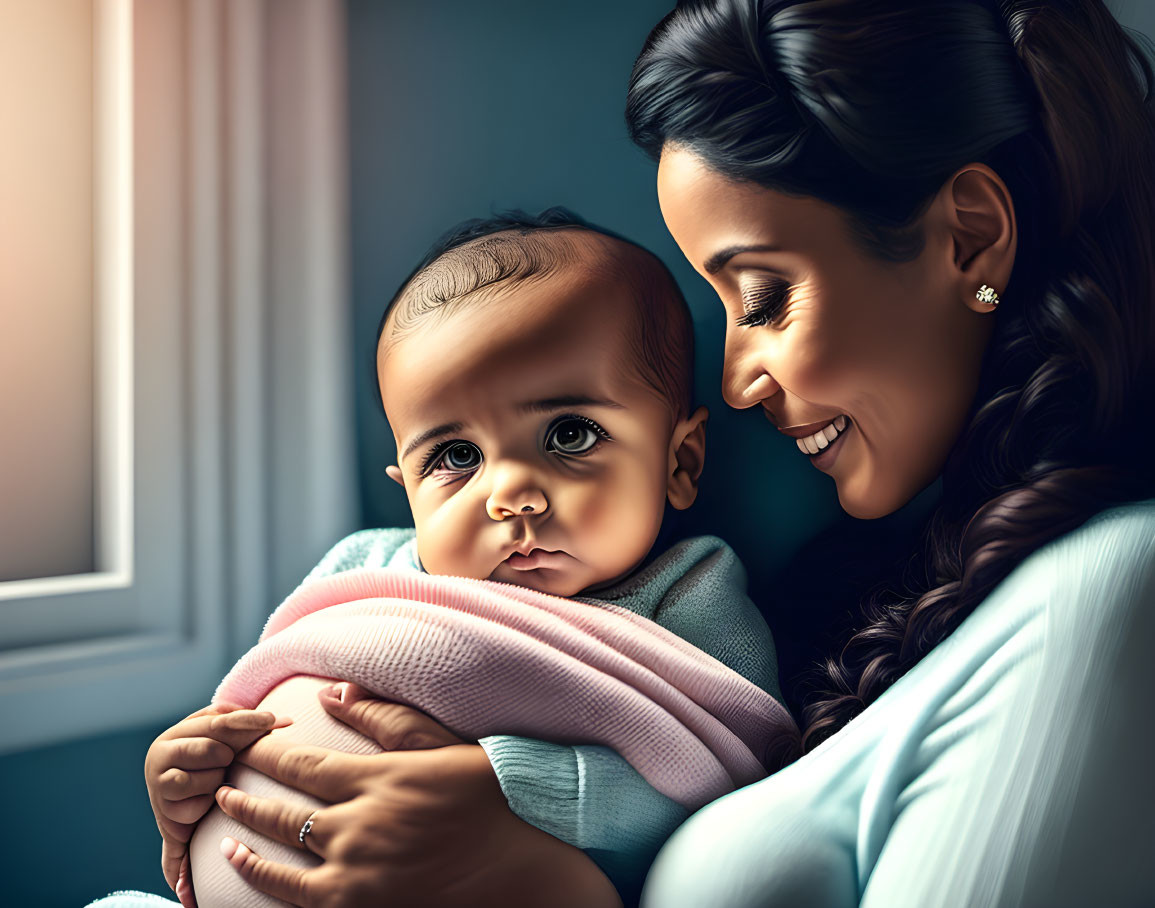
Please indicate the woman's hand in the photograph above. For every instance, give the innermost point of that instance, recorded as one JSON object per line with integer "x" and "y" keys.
{"x": 424, "y": 823}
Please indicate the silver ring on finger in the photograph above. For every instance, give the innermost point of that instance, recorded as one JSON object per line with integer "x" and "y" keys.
{"x": 306, "y": 828}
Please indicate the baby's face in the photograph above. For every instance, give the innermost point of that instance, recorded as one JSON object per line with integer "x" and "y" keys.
{"x": 530, "y": 448}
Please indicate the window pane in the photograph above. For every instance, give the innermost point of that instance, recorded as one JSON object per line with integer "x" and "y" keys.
{"x": 46, "y": 289}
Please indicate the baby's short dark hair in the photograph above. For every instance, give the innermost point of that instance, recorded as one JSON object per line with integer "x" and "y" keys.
{"x": 483, "y": 253}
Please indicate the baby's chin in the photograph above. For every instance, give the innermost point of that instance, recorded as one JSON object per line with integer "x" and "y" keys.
{"x": 544, "y": 580}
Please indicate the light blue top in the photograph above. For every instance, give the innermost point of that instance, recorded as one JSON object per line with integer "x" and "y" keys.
{"x": 1013, "y": 765}
{"x": 587, "y": 795}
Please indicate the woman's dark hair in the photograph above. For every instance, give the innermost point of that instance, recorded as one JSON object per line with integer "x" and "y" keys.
{"x": 872, "y": 105}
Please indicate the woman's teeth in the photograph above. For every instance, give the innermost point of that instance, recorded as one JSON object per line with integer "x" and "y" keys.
{"x": 812, "y": 444}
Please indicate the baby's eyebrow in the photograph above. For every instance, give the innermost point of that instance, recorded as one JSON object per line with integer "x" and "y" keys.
{"x": 445, "y": 429}
{"x": 549, "y": 404}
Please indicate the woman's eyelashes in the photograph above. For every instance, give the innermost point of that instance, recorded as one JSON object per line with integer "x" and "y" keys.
{"x": 570, "y": 436}
{"x": 762, "y": 301}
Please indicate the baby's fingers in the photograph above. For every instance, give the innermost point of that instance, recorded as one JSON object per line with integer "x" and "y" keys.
{"x": 241, "y": 728}
{"x": 177, "y": 784}
{"x": 171, "y": 855}
{"x": 193, "y": 754}
{"x": 242, "y": 719}
{"x": 189, "y": 810}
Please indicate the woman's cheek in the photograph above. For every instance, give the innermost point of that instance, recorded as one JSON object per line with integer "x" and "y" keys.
{"x": 811, "y": 363}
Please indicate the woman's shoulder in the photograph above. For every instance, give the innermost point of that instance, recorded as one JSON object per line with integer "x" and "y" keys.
{"x": 1071, "y": 595}
{"x": 1121, "y": 531}
{"x": 1110, "y": 559}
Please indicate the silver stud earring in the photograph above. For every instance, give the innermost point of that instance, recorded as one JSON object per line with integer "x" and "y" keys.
{"x": 987, "y": 294}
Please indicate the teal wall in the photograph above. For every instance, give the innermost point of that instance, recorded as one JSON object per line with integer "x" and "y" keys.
{"x": 76, "y": 822}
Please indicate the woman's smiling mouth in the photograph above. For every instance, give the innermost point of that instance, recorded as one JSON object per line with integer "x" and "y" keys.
{"x": 819, "y": 441}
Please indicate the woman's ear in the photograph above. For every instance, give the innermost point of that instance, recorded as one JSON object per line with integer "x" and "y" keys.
{"x": 981, "y": 218}
{"x": 687, "y": 458}
{"x": 394, "y": 473}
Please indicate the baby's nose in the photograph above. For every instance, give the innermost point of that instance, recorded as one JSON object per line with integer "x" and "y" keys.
{"x": 515, "y": 493}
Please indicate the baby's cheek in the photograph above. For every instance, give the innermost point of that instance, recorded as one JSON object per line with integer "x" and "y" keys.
{"x": 619, "y": 522}
{"x": 447, "y": 543}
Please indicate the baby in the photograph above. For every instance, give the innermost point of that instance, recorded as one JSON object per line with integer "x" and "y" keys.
{"x": 537, "y": 377}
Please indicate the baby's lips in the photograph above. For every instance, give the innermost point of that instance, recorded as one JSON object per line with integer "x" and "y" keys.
{"x": 537, "y": 558}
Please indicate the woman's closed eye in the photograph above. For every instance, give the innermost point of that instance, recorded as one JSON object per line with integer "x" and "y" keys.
{"x": 762, "y": 301}
{"x": 452, "y": 457}
{"x": 574, "y": 436}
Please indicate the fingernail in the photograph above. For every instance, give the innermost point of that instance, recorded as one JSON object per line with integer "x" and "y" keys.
{"x": 336, "y": 691}
{"x": 282, "y": 721}
{"x": 229, "y": 847}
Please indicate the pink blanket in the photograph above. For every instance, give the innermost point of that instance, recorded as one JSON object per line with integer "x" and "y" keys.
{"x": 489, "y": 658}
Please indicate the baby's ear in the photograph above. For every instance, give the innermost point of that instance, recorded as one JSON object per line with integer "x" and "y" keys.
{"x": 394, "y": 473}
{"x": 687, "y": 458}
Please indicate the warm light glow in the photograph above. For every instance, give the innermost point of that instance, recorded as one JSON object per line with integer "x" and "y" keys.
{"x": 65, "y": 295}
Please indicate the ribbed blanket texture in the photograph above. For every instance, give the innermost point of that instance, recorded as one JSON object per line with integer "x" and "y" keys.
{"x": 487, "y": 658}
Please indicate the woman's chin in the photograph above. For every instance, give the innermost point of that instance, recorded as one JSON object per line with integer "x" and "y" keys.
{"x": 864, "y": 499}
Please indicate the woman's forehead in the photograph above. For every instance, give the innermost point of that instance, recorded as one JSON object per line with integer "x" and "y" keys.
{"x": 708, "y": 213}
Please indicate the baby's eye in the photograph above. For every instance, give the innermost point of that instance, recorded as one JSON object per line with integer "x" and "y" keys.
{"x": 575, "y": 435}
{"x": 453, "y": 457}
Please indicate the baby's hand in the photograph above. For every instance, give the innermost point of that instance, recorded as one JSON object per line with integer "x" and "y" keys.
{"x": 185, "y": 766}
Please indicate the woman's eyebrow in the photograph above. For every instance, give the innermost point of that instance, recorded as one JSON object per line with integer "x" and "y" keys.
{"x": 445, "y": 429}
{"x": 549, "y": 404}
{"x": 715, "y": 262}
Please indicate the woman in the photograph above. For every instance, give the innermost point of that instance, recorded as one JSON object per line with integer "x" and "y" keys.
{"x": 931, "y": 227}
{"x": 853, "y": 179}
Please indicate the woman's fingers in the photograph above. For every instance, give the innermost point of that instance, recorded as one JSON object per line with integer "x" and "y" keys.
{"x": 289, "y": 884}
{"x": 392, "y": 725}
{"x": 274, "y": 818}
{"x": 327, "y": 774}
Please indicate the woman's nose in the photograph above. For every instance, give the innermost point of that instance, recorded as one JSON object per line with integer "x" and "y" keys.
{"x": 745, "y": 381}
{"x": 515, "y": 493}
